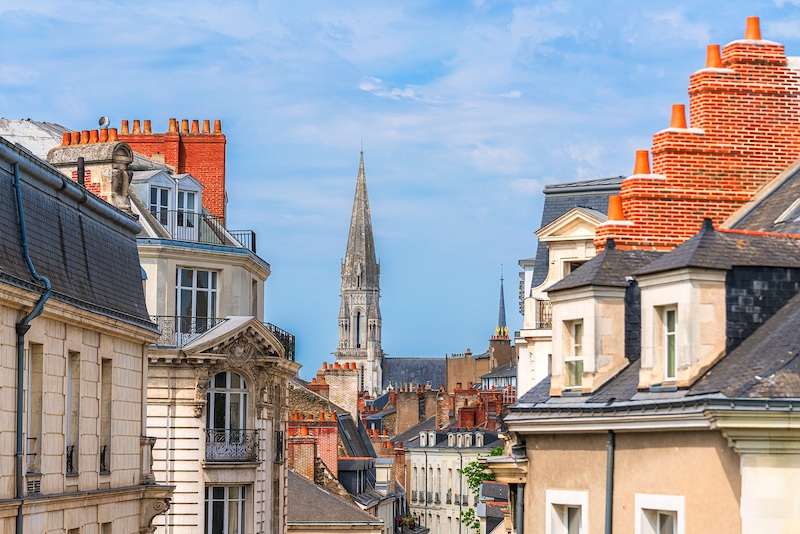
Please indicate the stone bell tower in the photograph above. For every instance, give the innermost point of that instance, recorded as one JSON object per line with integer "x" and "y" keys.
{"x": 360, "y": 314}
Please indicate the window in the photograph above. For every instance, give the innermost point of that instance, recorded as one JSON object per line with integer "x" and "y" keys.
{"x": 574, "y": 360}
{"x": 105, "y": 415}
{"x": 197, "y": 300}
{"x": 225, "y": 510}
{"x": 227, "y": 437}
{"x": 567, "y": 512}
{"x": 423, "y": 439}
{"x": 670, "y": 319}
{"x": 468, "y": 440}
{"x": 358, "y": 330}
{"x": 186, "y": 217}
{"x": 73, "y": 410}
{"x": 451, "y": 439}
{"x": 659, "y": 514}
{"x": 35, "y": 392}
{"x": 479, "y": 439}
{"x": 570, "y": 266}
{"x": 159, "y": 203}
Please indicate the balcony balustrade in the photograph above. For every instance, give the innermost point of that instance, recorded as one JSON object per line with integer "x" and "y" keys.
{"x": 71, "y": 460}
{"x": 465, "y": 499}
{"x": 231, "y": 445}
{"x": 201, "y": 227}
{"x": 544, "y": 314}
{"x": 104, "y": 459}
{"x": 428, "y": 497}
{"x": 178, "y": 331}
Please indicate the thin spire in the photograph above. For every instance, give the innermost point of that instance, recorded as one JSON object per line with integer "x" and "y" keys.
{"x": 360, "y": 269}
{"x": 501, "y": 332}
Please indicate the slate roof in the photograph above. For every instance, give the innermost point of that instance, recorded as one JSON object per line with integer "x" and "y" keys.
{"x": 504, "y": 371}
{"x": 609, "y": 268}
{"x": 712, "y": 249}
{"x": 774, "y": 199}
{"x": 765, "y": 365}
{"x": 495, "y": 491}
{"x": 412, "y": 434}
{"x": 85, "y": 246}
{"x": 559, "y": 199}
{"x": 398, "y": 371}
{"x": 309, "y": 503}
{"x": 354, "y": 437}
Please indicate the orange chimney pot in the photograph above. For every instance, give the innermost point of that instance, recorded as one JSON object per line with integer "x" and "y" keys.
{"x": 94, "y": 136}
{"x": 76, "y": 138}
{"x": 66, "y": 138}
{"x": 173, "y": 125}
{"x": 148, "y": 126}
{"x": 304, "y": 430}
{"x": 713, "y": 57}
{"x": 104, "y": 135}
{"x": 206, "y": 126}
{"x": 753, "y": 30}
{"x": 137, "y": 126}
{"x": 112, "y": 135}
{"x": 217, "y": 126}
{"x": 124, "y": 127}
{"x": 195, "y": 126}
{"x": 84, "y": 137}
{"x": 184, "y": 126}
{"x": 678, "y": 119}
{"x": 642, "y": 165}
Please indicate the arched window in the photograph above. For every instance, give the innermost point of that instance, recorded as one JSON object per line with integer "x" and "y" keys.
{"x": 358, "y": 330}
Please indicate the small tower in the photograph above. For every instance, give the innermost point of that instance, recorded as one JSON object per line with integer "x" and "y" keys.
{"x": 501, "y": 351}
{"x": 360, "y": 314}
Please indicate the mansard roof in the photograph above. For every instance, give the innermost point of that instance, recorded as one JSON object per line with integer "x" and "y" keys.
{"x": 309, "y": 503}
{"x": 360, "y": 269}
{"x": 85, "y": 246}
{"x": 399, "y": 371}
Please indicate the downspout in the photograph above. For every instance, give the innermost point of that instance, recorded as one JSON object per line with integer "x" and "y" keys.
{"x": 519, "y": 508}
{"x": 22, "y": 328}
{"x": 424, "y": 515}
{"x": 611, "y": 445}
{"x": 460, "y": 487}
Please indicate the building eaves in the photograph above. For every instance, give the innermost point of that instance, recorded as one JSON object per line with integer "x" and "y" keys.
{"x": 309, "y": 503}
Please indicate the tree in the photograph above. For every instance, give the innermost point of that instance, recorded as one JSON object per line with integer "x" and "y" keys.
{"x": 475, "y": 474}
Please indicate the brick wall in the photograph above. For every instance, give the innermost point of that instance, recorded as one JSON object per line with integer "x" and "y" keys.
{"x": 199, "y": 152}
{"x": 302, "y": 455}
{"x": 324, "y": 430}
{"x": 343, "y": 387}
{"x": 744, "y": 132}
{"x": 407, "y": 410}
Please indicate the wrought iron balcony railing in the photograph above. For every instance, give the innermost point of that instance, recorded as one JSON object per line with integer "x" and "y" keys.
{"x": 544, "y": 314}
{"x": 436, "y": 498}
{"x": 178, "y": 331}
{"x": 428, "y": 497}
{"x": 465, "y": 499}
{"x": 201, "y": 227}
{"x": 231, "y": 445}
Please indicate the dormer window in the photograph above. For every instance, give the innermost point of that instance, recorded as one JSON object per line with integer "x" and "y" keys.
{"x": 479, "y": 439}
{"x": 431, "y": 439}
{"x": 460, "y": 440}
{"x": 423, "y": 439}
{"x": 574, "y": 360}
{"x": 468, "y": 440}
{"x": 159, "y": 203}
{"x": 451, "y": 439}
{"x": 670, "y": 325}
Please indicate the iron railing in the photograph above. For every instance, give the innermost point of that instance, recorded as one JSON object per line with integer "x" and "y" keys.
{"x": 231, "y": 445}
{"x": 436, "y": 498}
{"x": 203, "y": 228}
{"x": 428, "y": 497}
{"x": 457, "y": 498}
{"x": 465, "y": 499}
{"x": 448, "y": 498}
{"x": 413, "y": 495}
{"x": 286, "y": 339}
{"x": 544, "y": 314}
{"x": 71, "y": 460}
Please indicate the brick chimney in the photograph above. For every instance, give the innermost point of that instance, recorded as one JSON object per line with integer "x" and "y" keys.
{"x": 301, "y": 455}
{"x": 442, "y": 408}
{"x": 744, "y": 110}
{"x": 323, "y": 429}
{"x": 342, "y": 386}
{"x": 201, "y": 154}
{"x": 407, "y": 410}
{"x": 399, "y": 467}
{"x": 319, "y": 385}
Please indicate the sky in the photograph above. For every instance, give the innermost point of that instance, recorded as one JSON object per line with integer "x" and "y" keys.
{"x": 465, "y": 111}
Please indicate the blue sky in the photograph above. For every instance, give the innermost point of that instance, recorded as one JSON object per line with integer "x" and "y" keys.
{"x": 466, "y": 110}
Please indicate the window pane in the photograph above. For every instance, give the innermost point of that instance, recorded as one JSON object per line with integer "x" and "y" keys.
{"x": 202, "y": 279}
{"x": 218, "y": 514}
{"x": 235, "y": 381}
{"x": 219, "y": 411}
{"x": 186, "y": 307}
{"x": 202, "y": 304}
{"x": 573, "y": 520}
{"x": 575, "y": 373}
{"x": 666, "y": 523}
{"x": 186, "y": 276}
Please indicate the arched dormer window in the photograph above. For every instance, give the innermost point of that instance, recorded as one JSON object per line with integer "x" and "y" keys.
{"x": 468, "y": 439}
{"x": 423, "y": 439}
{"x": 451, "y": 439}
{"x": 479, "y": 439}
{"x": 431, "y": 439}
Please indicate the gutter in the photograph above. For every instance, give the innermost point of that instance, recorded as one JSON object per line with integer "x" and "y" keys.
{"x": 22, "y": 328}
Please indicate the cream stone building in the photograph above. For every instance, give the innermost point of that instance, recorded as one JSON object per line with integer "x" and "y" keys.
{"x": 217, "y": 380}
{"x": 76, "y": 456}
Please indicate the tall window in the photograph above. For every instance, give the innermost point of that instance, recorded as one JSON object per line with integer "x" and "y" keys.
{"x": 197, "y": 300}
{"x": 227, "y": 437}
{"x": 73, "y": 410}
{"x": 105, "y": 415}
{"x": 670, "y": 339}
{"x": 225, "y": 510}
{"x": 358, "y": 330}
{"x": 186, "y": 216}
{"x": 35, "y": 392}
{"x": 159, "y": 203}
{"x": 574, "y": 360}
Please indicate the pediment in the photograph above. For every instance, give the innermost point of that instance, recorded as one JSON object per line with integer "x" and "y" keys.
{"x": 577, "y": 223}
{"x": 237, "y": 338}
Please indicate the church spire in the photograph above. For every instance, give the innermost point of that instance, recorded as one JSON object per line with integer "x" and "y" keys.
{"x": 501, "y": 332}
{"x": 360, "y": 269}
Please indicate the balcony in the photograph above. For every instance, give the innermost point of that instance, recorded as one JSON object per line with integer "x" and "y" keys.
{"x": 413, "y": 495}
{"x": 178, "y": 331}
{"x": 428, "y": 497}
{"x": 231, "y": 445}
{"x": 448, "y": 498}
{"x": 544, "y": 314}
{"x": 201, "y": 227}
{"x": 436, "y": 498}
{"x": 465, "y": 499}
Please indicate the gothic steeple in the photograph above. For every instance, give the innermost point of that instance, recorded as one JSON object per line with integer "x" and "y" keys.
{"x": 501, "y": 332}
{"x": 360, "y": 313}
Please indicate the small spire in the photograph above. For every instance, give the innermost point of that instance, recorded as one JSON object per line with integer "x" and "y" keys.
{"x": 501, "y": 332}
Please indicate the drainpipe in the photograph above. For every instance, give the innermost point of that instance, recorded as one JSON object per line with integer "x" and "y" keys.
{"x": 611, "y": 445}
{"x": 22, "y": 328}
{"x": 519, "y": 508}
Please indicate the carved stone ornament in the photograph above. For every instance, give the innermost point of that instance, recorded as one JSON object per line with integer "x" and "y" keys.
{"x": 150, "y": 508}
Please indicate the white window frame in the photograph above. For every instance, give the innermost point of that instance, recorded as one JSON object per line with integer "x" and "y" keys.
{"x": 646, "y": 504}
{"x": 188, "y": 325}
{"x": 556, "y": 502}
{"x": 575, "y": 349}
{"x": 157, "y": 209}
{"x": 423, "y": 439}
{"x": 666, "y": 335}
{"x": 241, "y": 508}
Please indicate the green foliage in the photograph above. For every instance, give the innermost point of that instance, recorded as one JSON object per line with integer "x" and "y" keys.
{"x": 497, "y": 451}
{"x": 474, "y": 474}
{"x": 470, "y": 520}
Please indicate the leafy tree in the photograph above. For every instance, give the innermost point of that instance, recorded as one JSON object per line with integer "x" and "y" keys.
{"x": 475, "y": 474}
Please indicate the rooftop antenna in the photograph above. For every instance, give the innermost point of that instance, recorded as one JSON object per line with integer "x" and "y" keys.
{"x": 104, "y": 122}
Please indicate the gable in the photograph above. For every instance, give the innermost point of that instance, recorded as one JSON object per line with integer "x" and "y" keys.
{"x": 577, "y": 223}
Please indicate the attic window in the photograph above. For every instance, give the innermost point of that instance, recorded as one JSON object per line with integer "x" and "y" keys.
{"x": 423, "y": 439}
{"x": 460, "y": 440}
{"x": 479, "y": 439}
{"x": 451, "y": 439}
{"x": 468, "y": 440}
{"x": 431, "y": 439}
{"x": 791, "y": 214}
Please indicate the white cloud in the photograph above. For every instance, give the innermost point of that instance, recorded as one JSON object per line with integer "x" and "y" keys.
{"x": 378, "y": 88}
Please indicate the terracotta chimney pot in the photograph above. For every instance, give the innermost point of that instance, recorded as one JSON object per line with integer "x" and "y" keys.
{"x": 753, "y": 30}
{"x": 217, "y": 126}
{"x": 615, "y": 209}
{"x": 94, "y": 136}
{"x": 184, "y": 126}
{"x": 148, "y": 126}
{"x": 678, "y": 119}
{"x": 66, "y": 138}
{"x": 322, "y": 380}
{"x": 304, "y": 430}
{"x": 173, "y": 125}
{"x": 642, "y": 165}
{"x": 713, "y": 57}
{"x": 104, "y": 135}
{"x": 324, "y": 365}
{"x": 124, "y": 127}
{"x": 313, "y": 380}
{"x": 333, "y": 416}
{"x": 206, "y": 126}
{"x": 84, "y": 137}
{"x": 112, "y": 135}
{"x": 321, "y": 416}
{"x": 337, "y": 366}
{"x": 137, "y": 126}
{"x": 76, "y": 138}
{"x": 195, "y": 126}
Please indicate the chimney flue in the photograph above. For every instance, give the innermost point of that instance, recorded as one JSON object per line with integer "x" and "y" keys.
{"x": 206, "y": 126}
{"x": 753, "y": 30}
{"x": 195, "y": 127}
{"x": 217, "y": 126}
{"x": 148, "y": 126}
{"x": 66, "y": 139}
{"x": 184, "y": 126}
{"x": 642, "y": 165}
{"x": 124, "y": 128}
{"x": 713, "y": 57}
{"x": 678, "y": 119}
{"x": 81, "y": 171}
{"x": 112, "y": 135}
{"x": 137, "y": 126}
{"x": 104, "y": 135}
{"x": 173, "y": 125}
